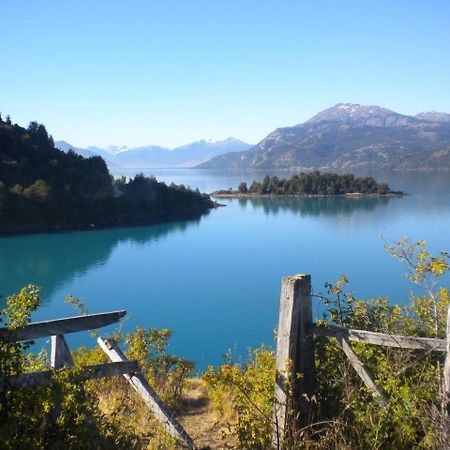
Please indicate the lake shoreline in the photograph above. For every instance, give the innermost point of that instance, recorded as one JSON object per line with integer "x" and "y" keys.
{"x": 193, "y": 214}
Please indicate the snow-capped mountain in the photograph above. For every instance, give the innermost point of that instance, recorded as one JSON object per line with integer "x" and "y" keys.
{"x": 152, "y": 156}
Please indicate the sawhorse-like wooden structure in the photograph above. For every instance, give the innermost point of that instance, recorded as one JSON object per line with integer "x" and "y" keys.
{"x": 61, "y": 357}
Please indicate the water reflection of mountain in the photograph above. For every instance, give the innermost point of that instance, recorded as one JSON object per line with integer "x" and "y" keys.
{"x": 50, "y": 260}
{"x": 315, "y": 206}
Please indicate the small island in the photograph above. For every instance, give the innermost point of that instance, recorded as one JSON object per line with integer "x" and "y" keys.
{"x": 310, "y": 184}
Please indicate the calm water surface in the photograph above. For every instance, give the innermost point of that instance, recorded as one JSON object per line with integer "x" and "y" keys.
{"x": 215, "y": 281}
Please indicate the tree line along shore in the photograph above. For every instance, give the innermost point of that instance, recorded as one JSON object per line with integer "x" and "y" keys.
{"x": 310, "y": 184}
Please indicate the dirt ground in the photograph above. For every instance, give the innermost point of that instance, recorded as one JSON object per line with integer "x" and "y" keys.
{"x": 206, "y": 427}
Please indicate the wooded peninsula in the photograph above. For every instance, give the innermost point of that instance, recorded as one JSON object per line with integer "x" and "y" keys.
{"x": 45, "y": 189}
{"x": 311, "y": 184}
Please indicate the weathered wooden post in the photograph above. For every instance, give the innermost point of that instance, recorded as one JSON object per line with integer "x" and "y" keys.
{"x": 295, "y": 365}
{"x": 446, "y": 381}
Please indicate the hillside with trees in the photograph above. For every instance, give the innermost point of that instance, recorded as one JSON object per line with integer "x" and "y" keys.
{"x": 44, "y": 189}
{"x": 313, "y": 183}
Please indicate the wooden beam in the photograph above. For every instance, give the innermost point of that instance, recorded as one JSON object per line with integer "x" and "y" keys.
{"x": 60, "y": 354}
{"x": 295, "y": 355}
{"x": 61, "y": 326}
{"x": 360, "y": 369}
{"x": 45, "y": 376}
{"x": 386, "y": 340}
{"x": 150, "y": 397}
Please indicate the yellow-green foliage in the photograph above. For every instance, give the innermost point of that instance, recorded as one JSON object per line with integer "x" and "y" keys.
{"x": 167, "y": 372}
{"x": 246, "y": 394}
{"x": 16, "y": 315}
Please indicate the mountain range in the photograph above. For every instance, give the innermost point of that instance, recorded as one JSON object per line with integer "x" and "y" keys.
{"x": 153, "y": 157}
{"x": 350, "y": 136}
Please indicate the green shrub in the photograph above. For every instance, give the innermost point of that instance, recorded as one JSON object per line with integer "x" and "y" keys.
{"x": 246, "y": 395}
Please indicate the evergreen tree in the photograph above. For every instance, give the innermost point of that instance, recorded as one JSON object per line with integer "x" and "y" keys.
{"x": 242, "y": 188}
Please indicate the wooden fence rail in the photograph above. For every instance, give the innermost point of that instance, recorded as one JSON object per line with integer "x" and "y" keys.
{"x": 295, "y": 355}
{"x": 383, "y": 339}
{"x": 46, "y": 376}
{"x": 61, "y": 357}
{"x": 36, "y": 330}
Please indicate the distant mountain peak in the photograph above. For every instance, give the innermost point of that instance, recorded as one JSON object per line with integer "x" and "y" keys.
{"x": 211, "y": 141}
{"x": 232, "y": 140}
{"x": 117, "y": 148}
{"x": 434, "y": 116}
{"x": 347, "y": 107}
{"x": 353, "y": 112}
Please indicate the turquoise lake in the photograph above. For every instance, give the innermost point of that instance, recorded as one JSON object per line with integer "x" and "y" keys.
{"x": 216, "y": 281}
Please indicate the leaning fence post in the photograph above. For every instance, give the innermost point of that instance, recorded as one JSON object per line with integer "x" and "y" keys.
{"x": 295, "y": 365}
{"x": 150, "y": 397}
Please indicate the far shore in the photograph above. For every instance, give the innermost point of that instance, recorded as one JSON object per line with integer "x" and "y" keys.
{"x": 219, "y": 194}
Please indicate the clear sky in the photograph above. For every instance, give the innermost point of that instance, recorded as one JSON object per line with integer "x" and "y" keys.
{"x": 173, "y": 71}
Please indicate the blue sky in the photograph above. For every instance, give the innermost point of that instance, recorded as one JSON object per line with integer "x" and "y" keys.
{"x": 174, "y": 71}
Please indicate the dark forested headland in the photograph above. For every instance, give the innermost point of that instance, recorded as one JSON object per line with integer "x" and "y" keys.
{"x": 313, "y": 183}
{"x": 45, "y": 189}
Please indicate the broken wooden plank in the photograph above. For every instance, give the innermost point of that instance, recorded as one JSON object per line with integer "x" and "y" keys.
{"x": 60, "y": 355}
{"x": 383, "y": 339}
{"x": 295, "y": 355}
{"x": 45, "y": 376}
{"x": 360, "y": 369}
{"x": 61, "y": 326}
{"x": 150, "y": 397}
